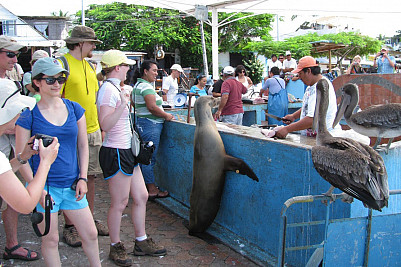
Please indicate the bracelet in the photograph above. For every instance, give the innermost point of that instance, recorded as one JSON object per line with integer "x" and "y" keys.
{"x": 20, "y": 159}
{"x": 84, "y": 179}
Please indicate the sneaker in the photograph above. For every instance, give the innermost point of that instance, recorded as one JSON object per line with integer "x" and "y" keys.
{"x": 119, "y": 255}
{"x": 102, "y": 229}
{"x": 148, "y": 247}
{"x": 71, "y": 237}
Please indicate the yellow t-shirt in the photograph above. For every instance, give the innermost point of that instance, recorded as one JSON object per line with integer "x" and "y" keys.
{"x": 82, "y": 87}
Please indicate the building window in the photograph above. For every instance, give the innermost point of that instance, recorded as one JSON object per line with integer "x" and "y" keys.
{"x": 8, "y": 27}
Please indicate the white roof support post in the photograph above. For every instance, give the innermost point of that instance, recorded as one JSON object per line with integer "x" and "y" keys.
{"x": 215, "y": 43}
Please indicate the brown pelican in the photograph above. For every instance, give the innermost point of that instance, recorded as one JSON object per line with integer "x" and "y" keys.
{"x": 381, "y": 121}
{"x": 353, "y": 167}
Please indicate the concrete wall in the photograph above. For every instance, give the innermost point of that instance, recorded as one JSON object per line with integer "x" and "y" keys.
{"x": 249, "y": 209}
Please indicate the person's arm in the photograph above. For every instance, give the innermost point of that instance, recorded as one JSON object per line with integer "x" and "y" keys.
{"x": 165, "y": 87}
{"x": 23, "y": 199}
{"x": 250, "y": 83}
{"x": 223, "y": 102}
{"x": 389, "y": 60}
{"x": 305, "y": 123}
{"x": 22, "y": 138}
{"x": 375, "y": 60}
{"x": 216, "y": 94}
{"x": 83, "y": 155}
{"x": 150, "y": 101}
{"x": 25, "y": 155}
{"x": 108, "y": 116}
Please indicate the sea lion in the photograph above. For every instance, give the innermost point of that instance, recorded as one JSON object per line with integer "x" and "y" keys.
{"x": 209, "y": 167}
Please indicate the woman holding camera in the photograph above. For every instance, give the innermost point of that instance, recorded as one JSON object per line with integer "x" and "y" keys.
{"x": 64, "y": 119}
{"x": 117, "y": 161}
{"x": 355, "y": 66}
{"x": 11, "y": 190}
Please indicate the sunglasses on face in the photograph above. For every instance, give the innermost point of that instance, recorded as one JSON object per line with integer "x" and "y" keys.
{"x": 11, "y": 54}
{"x": 281, "y": 58}
{"x": 52, "y": 80}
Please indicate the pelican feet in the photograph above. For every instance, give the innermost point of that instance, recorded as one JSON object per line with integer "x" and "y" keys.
{"x": 347, "y": 198}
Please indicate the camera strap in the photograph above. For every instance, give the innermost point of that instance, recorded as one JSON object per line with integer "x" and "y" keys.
{"x": 37, "y": 217}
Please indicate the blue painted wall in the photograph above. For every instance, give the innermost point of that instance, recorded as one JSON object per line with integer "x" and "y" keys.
{"x": 252, "y": 209}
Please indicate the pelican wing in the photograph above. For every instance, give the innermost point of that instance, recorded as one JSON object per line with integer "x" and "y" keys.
{"x": 352, "y": 171}
{"x": 388, "y": 115}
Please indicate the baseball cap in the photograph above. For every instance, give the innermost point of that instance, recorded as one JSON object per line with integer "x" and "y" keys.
{"x": 287, "y": 53}
{"x": 48, "y": 66}
{"x": 82, "y": 33}
{"x": 39, "y": 54}
{"x": 177, "y": 67}
{"x": 228, "y": 70}
{"x": 12, "y": 102}
{"x": 114, "y": 58}
{"x": 305, "y": 62}
{"x": 10, "y": 43}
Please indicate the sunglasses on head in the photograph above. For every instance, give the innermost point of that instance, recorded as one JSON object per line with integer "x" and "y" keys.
{"x": 10, "y": 54}
{"x": 52, "y": 80}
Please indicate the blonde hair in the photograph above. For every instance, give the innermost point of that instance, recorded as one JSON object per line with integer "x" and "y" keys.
{"x": 101, "y": 76}
{"x": 357, "y": 57}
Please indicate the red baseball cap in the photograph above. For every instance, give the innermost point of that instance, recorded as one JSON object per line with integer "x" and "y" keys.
{"x": 305, "y": 62}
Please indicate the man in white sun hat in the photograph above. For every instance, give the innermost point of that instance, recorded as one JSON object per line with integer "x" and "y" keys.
{"x": 170, "y": 84}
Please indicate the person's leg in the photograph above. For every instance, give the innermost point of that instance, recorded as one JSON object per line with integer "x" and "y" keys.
{"x": 119, "y": 186}
{"x": 83, "y": 221}
{"x": 151, "y": 131}
{"x": 139, "y": 196}
{"x": 144, "y": 245}
{"x": 50, "y": 242}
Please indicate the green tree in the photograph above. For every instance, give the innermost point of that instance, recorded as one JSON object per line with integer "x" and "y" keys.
{"x": 140, "y": 28}
{"x": 356, "y": 44}
{"x": 255, "y": 68}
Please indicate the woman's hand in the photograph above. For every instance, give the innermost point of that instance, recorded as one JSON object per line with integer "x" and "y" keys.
{"x": 48, "y": 154}
{"x": 27, "y": 153}
{"x": 169, "y": 117}
{"x": 82, "y": 189}
{"x": 124, "y": 96}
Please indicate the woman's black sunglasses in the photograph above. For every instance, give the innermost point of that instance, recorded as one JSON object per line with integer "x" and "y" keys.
{"x": 11, "y": 54}
{"x": 52, "y": 80}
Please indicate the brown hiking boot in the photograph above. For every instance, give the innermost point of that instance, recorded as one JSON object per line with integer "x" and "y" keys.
{"x": 71, "y": 237}
{"x": 102, "y": 229}
{"x": 119, "y": 255}
{"x": 148, "y": 247}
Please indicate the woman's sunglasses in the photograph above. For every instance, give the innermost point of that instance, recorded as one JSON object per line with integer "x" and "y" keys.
{"x": 52, "y": 80}
{"x": 11, "y": 54}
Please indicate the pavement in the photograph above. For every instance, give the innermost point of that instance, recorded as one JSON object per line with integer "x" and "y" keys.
{"x": 166, "y": 229}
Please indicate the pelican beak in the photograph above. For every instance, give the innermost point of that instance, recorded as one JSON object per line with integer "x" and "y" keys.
{"x": 345, "y": 100}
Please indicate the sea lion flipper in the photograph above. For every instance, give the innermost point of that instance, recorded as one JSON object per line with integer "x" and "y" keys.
{"x": 239, "y": 166}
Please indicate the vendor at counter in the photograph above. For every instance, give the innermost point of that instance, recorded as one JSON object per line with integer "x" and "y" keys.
{"x": 170, "y": 84}
{"x": 309, "y": 72}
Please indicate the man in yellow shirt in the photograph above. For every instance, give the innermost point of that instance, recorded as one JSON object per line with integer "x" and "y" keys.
{"x": 82, "y": 87}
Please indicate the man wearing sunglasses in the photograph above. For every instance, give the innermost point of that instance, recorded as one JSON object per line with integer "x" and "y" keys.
{"x": 9, "y": 52}
{"x": 81, "y": 87}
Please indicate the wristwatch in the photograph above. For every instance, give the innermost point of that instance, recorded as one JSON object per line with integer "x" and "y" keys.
{"x": 85, "y": 179}
{"x": 20, "y": 159}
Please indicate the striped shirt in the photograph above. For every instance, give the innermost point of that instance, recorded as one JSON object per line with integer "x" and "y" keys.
{"x": 143, "y": 88}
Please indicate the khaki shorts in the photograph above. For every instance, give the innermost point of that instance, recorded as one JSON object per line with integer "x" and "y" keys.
{"x": 95, "y": 143}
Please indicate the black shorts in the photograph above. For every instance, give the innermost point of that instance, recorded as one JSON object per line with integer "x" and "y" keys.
{"x": 113, "y": 160}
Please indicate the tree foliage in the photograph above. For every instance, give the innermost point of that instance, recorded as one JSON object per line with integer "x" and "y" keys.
{"x": 141, "y": 28}
{"x": 356, "y": 44}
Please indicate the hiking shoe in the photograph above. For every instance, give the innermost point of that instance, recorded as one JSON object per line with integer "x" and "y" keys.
{"x": 119, "y": 255}
{"x": 102, "y": 229}
{"x": 148, "y": 247}
{"x": 71, "y": 237}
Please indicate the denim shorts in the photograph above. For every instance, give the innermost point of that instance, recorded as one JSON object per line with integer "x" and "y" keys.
{"x": 64, "y": 199}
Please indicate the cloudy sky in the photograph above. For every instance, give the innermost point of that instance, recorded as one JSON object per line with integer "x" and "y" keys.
{"x": 371, "y": 18}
